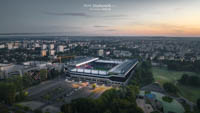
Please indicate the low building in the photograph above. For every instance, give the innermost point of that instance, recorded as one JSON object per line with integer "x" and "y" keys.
{"x": 8, "y": 70}
{"x": 100, "y": 52}
{"x": 37, "y": 45}
{"x": 119, "y": 53}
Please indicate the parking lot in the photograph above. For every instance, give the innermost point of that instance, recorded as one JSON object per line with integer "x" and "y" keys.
{"x": 55, "y": 93}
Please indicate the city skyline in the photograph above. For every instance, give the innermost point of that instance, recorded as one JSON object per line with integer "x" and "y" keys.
{"x": 102, "y": 17}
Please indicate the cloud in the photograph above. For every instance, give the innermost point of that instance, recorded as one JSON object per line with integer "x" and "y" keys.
{"x": 79, "y": 14}
{"x": 110, "y": 30}
{"x": 100, "y": 26}
{"x": 115, "y": 16}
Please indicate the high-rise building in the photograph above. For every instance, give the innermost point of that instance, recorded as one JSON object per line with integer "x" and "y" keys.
{"x": 10, "y": 45}
{"x": 60, "y": 48}
{"x": 37, "y": 45}
{"x": 51, "y": 46}
{"x": 52, "y": 52}
{"x": 2, "y": 46}
{"x": 25, "y": 45}
{"x": 43, "y": 53}
{"x": 44, "y": 46}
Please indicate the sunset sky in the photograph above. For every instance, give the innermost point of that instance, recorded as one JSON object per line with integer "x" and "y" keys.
{"x": 119, "y": 17}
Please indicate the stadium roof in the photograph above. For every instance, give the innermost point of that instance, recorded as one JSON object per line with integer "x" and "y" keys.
{"x": 109, "y": 61}
{"x": 123, "y": 67}
{"x": 82, "y": 60}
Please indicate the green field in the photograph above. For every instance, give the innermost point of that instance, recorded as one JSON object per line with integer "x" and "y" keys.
{"x": 163, "y": 75}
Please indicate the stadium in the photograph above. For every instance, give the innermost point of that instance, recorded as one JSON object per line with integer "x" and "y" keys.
{"x": 95, "y": 70}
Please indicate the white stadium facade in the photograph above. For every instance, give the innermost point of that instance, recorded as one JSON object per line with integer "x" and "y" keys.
{"x": 94, "y": 70}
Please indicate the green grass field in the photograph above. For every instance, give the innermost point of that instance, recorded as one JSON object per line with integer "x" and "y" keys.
{"x": 163, "y": 75}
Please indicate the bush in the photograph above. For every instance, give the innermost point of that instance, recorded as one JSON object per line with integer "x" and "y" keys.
{"x": 19, "y": 106}
{"x": 147, "y": 92}
{"x": 26, "y": 108}
{"x": 167, "y": 99}
{"x": 93, "y": 86}
{"x": 190, "y": 80}
{"x": 37, "y": 111}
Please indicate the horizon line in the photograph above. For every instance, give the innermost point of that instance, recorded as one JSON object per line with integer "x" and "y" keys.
{"x": 56, "y": 34}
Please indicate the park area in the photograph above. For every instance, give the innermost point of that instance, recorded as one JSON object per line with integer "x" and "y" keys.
{"x": 163, "y": 75}
{"x": 156, "y": 101}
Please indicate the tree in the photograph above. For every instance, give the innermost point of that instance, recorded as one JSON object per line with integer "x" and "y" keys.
{"x": 4, "y": 109}
{"x": 37, "y": 111}
{"x": 143, "y": 75}
{"x": 111, "y": 101}
{"x": 194, "y": 81}
{"x": 66, "y": 108}
{"x": 43, "y": 74}
{"x": 84, "y": 105}
{"x": 167, "y": 99}
{"x": 198, "y": 103}
{"x": 190, "y": 80}
{"x": 171, "y": 88}
{"x": 17, "y": 81}
{"x": 93, "y": 86}
{"x": 7, "y": 93}
{"x": 27, "y": 80}
{"x": 146, "y": 65}
{"x": 184, "y": 79}
{"x": 155, "y": 112}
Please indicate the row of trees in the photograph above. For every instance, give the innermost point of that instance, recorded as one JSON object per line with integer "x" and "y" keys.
{"x": 12, "y": 89}
{"x": 191, "y": 80}
{"x": 184, "y": 66}
{"x": 170, "y": 88}
{"x": 121, "y": 100}
{"x": 7, "y": 93}
{"x": 143, "y": 75}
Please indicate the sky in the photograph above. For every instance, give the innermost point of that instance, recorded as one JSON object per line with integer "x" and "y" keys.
{"x": 101, "y": 17}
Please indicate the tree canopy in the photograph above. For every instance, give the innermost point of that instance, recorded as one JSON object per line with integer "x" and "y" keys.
{"x": 121, "y": 100}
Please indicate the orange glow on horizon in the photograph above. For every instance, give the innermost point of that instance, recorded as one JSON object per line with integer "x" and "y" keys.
{"x": 165, "y": 30}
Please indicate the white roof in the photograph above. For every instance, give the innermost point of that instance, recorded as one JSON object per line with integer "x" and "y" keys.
{"x": 82, "y": 61}
{"x": 109, "y": 61}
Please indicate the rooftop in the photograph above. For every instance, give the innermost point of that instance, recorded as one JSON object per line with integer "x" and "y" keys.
{"x": 123, "y": 67}
{"x": 94, "y": 66}
{"x": 78, "y": 61}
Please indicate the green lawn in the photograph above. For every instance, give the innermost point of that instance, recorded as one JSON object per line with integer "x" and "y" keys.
{"x": 163, "y": 75}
